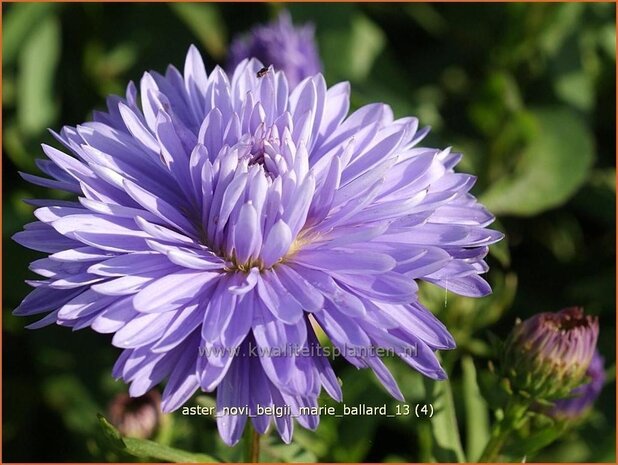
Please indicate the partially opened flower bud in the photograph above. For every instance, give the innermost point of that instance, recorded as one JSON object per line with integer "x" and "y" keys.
{"x": 547, "y": 355}
{"x": 582, "y": 397}
{"x": 136, "y": 417}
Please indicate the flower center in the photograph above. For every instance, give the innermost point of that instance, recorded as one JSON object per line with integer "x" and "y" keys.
{"x": 568, "y": 320}
{"x": 265, "y": 146}
{"x": 246, "y": 266}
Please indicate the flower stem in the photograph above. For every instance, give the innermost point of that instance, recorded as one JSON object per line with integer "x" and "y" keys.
{"x": 253, "y": 444}
{"x": 514, "y": 412}
{"x": 493, "y": 447}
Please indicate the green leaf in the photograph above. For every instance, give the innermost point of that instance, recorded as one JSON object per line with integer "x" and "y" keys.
{"x": 38, "y": 60}
{"x": 16, "y": 148}
{"x": 21, "y": 20}
{"x": 533, "y": 443}
{"x": 366, "y": 42}
{"x": 427, "y": 17}
{"x": 359, "y": 41}
{"x": 72, "y": 399}
{"x": 576, "y": 88}
{"x": 273, "y": 450}
{"x": 425, "y": 443}
{"x": 111, "y": 434}
{"x": 143, "y": 448}
{"x": 205, "y": 20}
{"x": 559, "y": 25}
{"x": 446, "y": 445}
{"x": 551, "y": 169}
{"x": 8, "y": 90}
{"x": 477, "y": 413}
{"x": 607, "y": 40}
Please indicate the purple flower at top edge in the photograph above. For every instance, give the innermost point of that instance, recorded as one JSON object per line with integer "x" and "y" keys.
{"x": 582, "y": 397}
{"x": 218, "y": 220}
{"x": 287, "y": 48}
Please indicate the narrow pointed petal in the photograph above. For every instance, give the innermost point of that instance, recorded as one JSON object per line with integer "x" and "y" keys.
{"x": 173, "y": 291}
{"x": 233, "y": 392}
{"x": 276, "y": 244}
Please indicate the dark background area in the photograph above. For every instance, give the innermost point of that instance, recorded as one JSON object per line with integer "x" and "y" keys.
{"x": 526, "y": 91}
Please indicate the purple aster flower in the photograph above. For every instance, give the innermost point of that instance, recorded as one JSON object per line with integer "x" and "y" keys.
{"x": 218, "y": 219}
{"x": 582, "y": 397}
{"x": 548, "y": 354}
{"x": 287, "y": 48}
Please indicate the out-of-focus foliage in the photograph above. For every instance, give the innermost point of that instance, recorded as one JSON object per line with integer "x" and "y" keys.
{"x": 526, "y": 91}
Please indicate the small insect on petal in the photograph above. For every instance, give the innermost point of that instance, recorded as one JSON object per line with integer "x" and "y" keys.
{"x": 262, "y": 72}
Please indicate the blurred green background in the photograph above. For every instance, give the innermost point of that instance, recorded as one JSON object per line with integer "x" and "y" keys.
{"x": 526, "y": 91}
